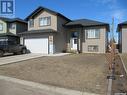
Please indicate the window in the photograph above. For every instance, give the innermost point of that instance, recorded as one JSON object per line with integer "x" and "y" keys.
{"x": 93, "y": 33}
{"x": 93, "y": 48}
{"x": 12, "y": 26}
{"x": 31, "y": 23}
{"x": 44, "y": 21}
{"x": 1, "y": 26}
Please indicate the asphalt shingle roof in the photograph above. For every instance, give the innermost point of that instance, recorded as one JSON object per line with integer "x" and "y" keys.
{"x": 123, "y": 23}
{"x": 7, "y": 34}
{"x": 40, "y": 8}
{"x": 12, "y": 19}
{"x": 120, "y": 25}
{"x": 38, "y": 31}
{"x": 85, "y": 22}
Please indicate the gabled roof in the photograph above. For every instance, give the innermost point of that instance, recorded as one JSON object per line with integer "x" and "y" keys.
{"x": 12, "y": 19}
{"x": 40, "y": 8}
{"x": 120, "y": 25}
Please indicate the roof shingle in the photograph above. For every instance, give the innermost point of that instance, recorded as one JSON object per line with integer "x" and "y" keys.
{"x": 85, "y": 22}
{"x": 12, "y": 19}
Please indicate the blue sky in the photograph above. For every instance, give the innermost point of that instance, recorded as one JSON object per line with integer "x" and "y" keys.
{"x": 101, "y": 10}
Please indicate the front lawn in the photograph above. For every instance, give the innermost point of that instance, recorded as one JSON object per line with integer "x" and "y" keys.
{"x": 83, "y": 72}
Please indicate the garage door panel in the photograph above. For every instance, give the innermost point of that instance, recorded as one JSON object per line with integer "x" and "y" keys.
{"x": 37, "y": 45}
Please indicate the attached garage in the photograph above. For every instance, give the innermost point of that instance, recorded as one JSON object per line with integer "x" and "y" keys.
{"x": 37, "y": 45}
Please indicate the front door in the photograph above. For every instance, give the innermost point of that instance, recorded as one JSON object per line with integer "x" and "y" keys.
{"x": 74, "y": 44}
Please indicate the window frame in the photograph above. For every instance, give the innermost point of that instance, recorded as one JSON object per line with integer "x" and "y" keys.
{"x": 47, "y": 21}
{"x": 89, "y": 50}
{"x": 12, "y": 25}
{"x": 94, "y": 33}
{"x": 31, "y": 25}
{"x": 2, "y": 26}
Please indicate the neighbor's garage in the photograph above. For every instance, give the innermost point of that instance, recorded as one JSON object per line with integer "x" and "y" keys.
{"x": 37, "y": 45}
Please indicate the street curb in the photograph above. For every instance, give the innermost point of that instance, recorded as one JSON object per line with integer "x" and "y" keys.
{"x": 48, "y": 88}
{"x": 109, "y": 92}
{"x": 123, "y": 64}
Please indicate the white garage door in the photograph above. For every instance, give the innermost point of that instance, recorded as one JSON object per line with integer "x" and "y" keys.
{"x": 37, "y": 45}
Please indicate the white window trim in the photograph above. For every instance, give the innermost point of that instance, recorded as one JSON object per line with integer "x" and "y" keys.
{"x": 91, "y": 33}
{"x": 45, "y": 22}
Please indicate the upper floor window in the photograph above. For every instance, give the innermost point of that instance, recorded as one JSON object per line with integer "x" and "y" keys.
{"x": 1, "y": 26}
{"x": 44, "y": 21}
{"x": 93, "y": 33}
{"x": 31, "y": 23}
{"x": 12, "y": 26}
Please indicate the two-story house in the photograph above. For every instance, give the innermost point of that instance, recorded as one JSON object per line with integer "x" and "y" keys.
{"x": 51, "y": 32}
{"x": 10, "y": 27}
{"x": 46, "y": 33}
{"x": 122, "y": 31}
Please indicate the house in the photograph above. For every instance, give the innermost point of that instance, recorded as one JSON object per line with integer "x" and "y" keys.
{"x": 87, "y": 36}
{"x": 50, "y": 32}
{"x": 10, "y": 27}
{"x": 122, "y": 31}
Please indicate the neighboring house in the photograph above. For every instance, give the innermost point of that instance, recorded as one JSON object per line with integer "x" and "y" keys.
{"x": 122, "y": 29}
{"x": 51, "y": 32}
{"x": 10, "y": 27}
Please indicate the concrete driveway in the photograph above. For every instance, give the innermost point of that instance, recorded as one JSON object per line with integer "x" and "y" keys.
{"x": 18, "y": 58}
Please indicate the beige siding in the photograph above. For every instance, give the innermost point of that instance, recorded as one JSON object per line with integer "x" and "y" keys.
{"x": 101, "y": 42}
{"x": 4, "y": 27}
{"x": 44, "y": 14}
{"x": 124, "y": 39}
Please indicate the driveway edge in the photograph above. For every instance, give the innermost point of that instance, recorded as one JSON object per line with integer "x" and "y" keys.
{"x": 62, "y": 91}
